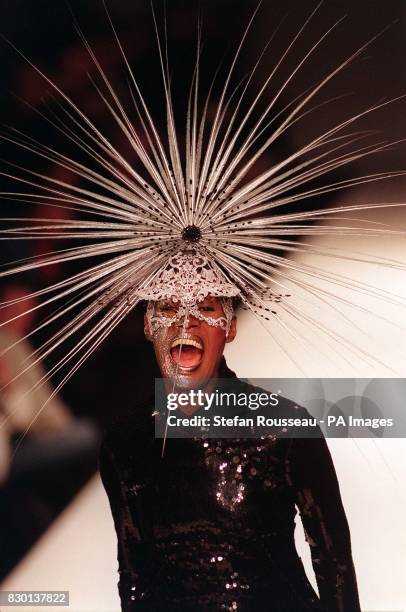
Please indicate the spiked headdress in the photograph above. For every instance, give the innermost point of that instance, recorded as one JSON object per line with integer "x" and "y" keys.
{"x": 192, "y": 223}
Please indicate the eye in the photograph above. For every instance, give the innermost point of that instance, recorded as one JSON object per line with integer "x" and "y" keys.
{"x": 206, "y": 308}
{"x": 167, "y": 309}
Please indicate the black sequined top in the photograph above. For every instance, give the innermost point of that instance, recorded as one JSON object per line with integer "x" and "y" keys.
{"x": 210, "y": 525}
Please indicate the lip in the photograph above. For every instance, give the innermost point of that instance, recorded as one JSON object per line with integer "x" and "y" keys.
{"x": 189, "y": 340}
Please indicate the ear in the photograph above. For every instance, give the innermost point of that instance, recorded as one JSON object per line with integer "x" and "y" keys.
{"x": 147, "y": 330}
{"x": 233, "y": 330}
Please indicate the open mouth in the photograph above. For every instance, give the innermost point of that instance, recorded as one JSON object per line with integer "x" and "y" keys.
{"x": 187, "y": 353}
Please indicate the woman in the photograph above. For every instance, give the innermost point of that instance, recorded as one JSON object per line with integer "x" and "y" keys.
{"x": 209, "y": 524}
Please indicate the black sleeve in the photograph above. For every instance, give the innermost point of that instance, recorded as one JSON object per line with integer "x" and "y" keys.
{"x": 319, "y": 501}
{"x": 127, "y": 532}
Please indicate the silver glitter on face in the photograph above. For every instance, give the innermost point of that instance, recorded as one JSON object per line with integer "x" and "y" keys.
{"x": 163, "y": 338}
{"x": 189, "y": 343}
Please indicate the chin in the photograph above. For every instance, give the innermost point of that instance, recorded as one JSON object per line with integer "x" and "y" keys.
{"x": 185, "y": 378}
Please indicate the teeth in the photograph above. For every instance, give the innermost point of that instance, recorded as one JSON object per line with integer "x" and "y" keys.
{"x": 186, "y": 342}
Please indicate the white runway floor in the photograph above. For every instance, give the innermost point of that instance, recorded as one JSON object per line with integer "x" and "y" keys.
{"x": 77, "y": 554}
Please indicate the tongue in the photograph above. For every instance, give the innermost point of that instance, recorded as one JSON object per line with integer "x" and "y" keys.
{"x": 186, "y": 356}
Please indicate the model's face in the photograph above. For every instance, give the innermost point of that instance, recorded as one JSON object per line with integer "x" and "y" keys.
{"x": 192, "y": 350}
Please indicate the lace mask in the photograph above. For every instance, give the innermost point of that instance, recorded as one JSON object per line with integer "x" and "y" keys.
{"x": 182, "y": 313}
{"x": 185, "y": 282}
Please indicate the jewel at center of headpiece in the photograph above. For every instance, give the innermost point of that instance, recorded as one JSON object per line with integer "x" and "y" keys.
{"x": 191, "y": 233}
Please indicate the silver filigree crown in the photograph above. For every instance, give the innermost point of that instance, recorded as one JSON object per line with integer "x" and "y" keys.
{"x": 188, "y": 277}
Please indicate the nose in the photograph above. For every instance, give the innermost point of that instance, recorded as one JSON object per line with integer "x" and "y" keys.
{"x": 189, "y": 322}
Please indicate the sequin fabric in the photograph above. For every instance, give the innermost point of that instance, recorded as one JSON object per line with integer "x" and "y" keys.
{"x": 210, "y": 525}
